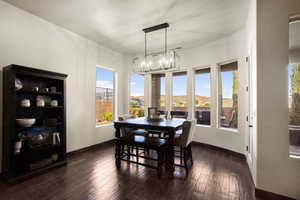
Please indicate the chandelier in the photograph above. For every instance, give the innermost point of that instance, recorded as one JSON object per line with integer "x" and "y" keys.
{"x": 165, "y": 60}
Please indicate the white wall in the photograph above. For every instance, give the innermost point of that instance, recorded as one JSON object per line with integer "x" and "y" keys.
{"x": 276, "y": 172}
{"x": 31, "y": 41}
{"x": 230, "y": 48}
{"x": 294, "y": 56}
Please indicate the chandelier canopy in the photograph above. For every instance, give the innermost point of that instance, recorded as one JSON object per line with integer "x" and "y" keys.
{"x": 165, "y": 60}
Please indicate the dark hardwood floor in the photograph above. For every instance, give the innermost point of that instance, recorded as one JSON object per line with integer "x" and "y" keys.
{"x": 90, "y": 175}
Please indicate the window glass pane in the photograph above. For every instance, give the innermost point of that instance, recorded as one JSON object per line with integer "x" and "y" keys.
{"x": 229, "y": 95}
{"x": 294, "y": 108}
{"x": 158, "y": 91}
{"x": 202, "y": 96}
{"x": 137, "y": 100}
{"x": 104, "y": 96}
{"x": 180, "y": 91}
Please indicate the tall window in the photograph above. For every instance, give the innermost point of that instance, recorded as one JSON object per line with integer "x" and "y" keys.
{"x": 294, "y": 108}
{"x": 105, "y": 92}
{"x": 137, "y": 100}
{"x": 180, "y": 91}
{"x": 229, "y": 95}
{"x": 158, "y": 97}
{"x": 202, "y": 96}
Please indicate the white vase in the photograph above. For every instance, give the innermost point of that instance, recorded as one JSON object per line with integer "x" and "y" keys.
{"x": 18, "y": 146}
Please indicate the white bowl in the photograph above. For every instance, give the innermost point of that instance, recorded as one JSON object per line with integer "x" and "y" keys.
{"x": 25, "y": 122}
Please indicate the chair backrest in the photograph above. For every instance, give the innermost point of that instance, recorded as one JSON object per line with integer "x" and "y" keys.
{"x": 187, "y": 133}
{"x": 124, "y": 117}
{"x": 179, "y": 114}
{"x": 163, "y": 112}
{"x": 125, "y": 131}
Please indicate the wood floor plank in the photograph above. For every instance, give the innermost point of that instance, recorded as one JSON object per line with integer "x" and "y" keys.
{"x": 92, "y": 175}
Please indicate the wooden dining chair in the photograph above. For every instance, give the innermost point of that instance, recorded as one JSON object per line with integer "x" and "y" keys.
{"x": 137, "y": 141}
{"x": 179, "y": 114}
{"x": 131, "y": 131}
{"x": 155, "y": 133}
{"x": 183, "y": 141}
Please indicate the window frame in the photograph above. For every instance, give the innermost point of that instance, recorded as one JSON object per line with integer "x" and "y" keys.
{"x": 130, "y": 89}
{"x": 211, "y": 94}
{"x": 172, "y": 87}
{"x": 115, "y": 92}
{"x": 219, "y": 93}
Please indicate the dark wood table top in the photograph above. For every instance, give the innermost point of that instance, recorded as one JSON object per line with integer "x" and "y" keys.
{"x": 142, "y": 122}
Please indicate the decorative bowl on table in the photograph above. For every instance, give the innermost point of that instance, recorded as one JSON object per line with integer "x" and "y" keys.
{"x": 26, "y": 122}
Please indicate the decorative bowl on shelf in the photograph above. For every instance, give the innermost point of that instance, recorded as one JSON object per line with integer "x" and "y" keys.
{"x": 26, "y": 122}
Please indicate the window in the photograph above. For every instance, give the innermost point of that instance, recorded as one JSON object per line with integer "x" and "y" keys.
{"x": 294, "y": 108}
{"x": 158, "y": 97}
{"x": 202, "y": 96}
{"x": 137, "y": 100}
{"x": 229, "y": 95}
{"x": 105, "y": 92}
{"x": 180, "y": 91}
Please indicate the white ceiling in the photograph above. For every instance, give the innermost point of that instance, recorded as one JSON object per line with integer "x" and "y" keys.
{"x": 118, "y": 24}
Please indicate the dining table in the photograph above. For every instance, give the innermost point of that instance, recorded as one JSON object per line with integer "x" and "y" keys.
{"x": 167, "y": 126}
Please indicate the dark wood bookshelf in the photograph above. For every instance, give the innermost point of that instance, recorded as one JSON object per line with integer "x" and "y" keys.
{"x": 41, "y": 150}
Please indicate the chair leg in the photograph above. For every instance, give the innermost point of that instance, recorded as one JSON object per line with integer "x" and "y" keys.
{"x": 128, "y": 152}
{"x": 181, "y": 155}
{"x": 191, "y": 154}
{"x": 185, "y": 160}
{"x": 118, "y": 154}
{"x": 159, "y": 163}
{"x": 137, "y": 154}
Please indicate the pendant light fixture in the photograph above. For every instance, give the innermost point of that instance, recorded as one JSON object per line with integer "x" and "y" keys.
{"x": 164, "y": 60}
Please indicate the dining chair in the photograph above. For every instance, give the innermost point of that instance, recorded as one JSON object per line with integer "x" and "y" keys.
{"x": 163, "y": 112}
{"x": 155, "y": 133}
{"x": 179, "y": 114}
{"x": 183, "y": 141}
{"x": 131, "y": 131}
{"x": 127, "y": 131}
{"x": 137, "y": 141}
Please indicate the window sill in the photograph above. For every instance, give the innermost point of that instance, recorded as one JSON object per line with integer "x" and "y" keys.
{"x": 202, "y": 125}
{"x": 296, "y": 157}
{"x": 104, "y": 125}
{"x": 229, "y": 130}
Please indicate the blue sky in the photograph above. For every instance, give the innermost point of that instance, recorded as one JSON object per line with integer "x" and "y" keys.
{"x": 104, "y": 78}
{"x": 202, "y": 82}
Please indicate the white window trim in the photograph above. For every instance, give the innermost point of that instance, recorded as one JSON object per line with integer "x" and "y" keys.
{"x": 115, "y": 98}
{"x": 129, "y": 91}
{"x": 219, "y": 93}
{"x": 171, "y": 90}
{"x": 194, "y": 69}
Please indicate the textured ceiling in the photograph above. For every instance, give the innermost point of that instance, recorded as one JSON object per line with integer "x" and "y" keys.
{"x": 118, "y": 24}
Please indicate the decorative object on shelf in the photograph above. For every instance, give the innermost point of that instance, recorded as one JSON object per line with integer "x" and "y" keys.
{"x": 53, "y": 89}
{"x": 18, "y": 143}
{"x": 54, "y": 103}
{"x": 38, "y": 137}
{"x": 46, "y": 90}
{"x": 35, "y": 89}
{"x": 54, "y": 157}
{"x": 165, "y": 60}
{"x": 55, "y": 138}
{"x": 26, "y": 122}
{"x": 25, "y": 103}
{"x": 40, "y": 102}
{"x": 18, "y": 84}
